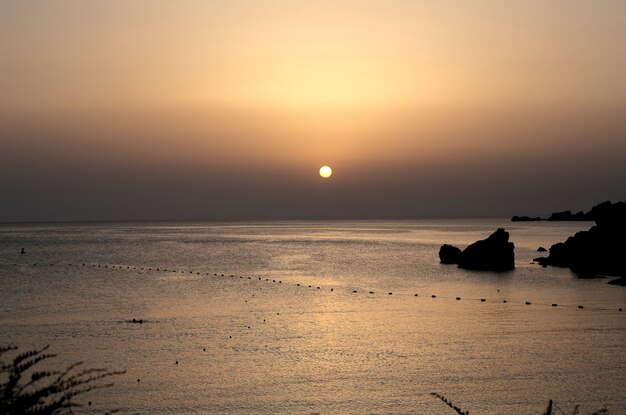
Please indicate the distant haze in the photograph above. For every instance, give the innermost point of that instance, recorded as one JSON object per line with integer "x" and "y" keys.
{"x": 149, "y": 110}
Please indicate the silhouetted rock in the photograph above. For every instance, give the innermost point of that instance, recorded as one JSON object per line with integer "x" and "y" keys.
{"x": 449, "y": 254}
{"x": 619, "y": 281}
{"x": 495, "y": 253}
{"x": 594, "y": 214}
{"x": 541, "y": 249}
{"x": 525, "y": 219}
{"x": 598, "y": 251}
{"x": 568, "y": 216}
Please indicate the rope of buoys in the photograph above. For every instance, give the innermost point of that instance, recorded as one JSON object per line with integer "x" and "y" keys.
{"x": 458, "y": 298}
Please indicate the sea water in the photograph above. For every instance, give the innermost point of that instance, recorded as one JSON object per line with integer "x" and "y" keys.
{"x": 338, "y": 317}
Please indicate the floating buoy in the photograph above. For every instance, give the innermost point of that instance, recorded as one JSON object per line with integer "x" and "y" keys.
{"x": 371, "y": 292}
{"x": 415, "y": 295}
{"x": 482, "y": 300}
{"x": 581, "y": 307}
{"x": 458, "y": 298}
{"x": 390, "y": 293}
{"x": 354, "y": 291}
{"x": 528, "y": 303}
{"x": 433, "y": 296}
{"x": 504, "y": 301}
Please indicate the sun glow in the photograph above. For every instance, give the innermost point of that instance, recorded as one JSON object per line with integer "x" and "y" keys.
{"x": 326, "y": 172}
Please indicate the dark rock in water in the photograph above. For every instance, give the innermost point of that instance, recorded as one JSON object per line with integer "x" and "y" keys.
{"x": 588, "y": 276}
{"x": 598, "y": 251}
{"x": 619, "y": 281}
{"x": 525, "y": 219}
{"x": 495, "y": 253}
{"x": 596, "y": 212}
{"x": 542, "y": 249}
{"x": 567, "y": 216}
{"x": 449, "y": 254}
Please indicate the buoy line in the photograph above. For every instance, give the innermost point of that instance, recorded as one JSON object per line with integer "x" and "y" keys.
{"x": 368, "y": 293}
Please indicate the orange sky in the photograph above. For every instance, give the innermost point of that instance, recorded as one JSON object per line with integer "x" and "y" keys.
{"x": 386, "y": 92}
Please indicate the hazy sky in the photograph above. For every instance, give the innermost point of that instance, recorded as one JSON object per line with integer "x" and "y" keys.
{"x": 227, "y": 109}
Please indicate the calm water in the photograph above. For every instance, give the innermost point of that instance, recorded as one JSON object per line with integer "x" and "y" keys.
{"x": 279, "y": 348}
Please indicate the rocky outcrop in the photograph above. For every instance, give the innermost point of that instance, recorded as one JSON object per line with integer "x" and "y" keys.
{"x": 449, "y": 254}
{"x": 619, "y": 281}
{"x": 568, "y": 216}
{"x": 495, "y": 253}
{"x": 541, "y": 249}
{"x": 595, "y": 212}
{"x": 599, "y": 251}
{"x": 525, "y": 219}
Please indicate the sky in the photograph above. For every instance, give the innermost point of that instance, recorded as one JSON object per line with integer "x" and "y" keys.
{"x": 226, "y": 110}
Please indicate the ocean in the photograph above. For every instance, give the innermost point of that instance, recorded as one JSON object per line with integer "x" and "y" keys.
{"x": 313, "y": 317}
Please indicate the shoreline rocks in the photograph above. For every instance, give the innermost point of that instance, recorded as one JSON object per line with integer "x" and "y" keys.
{"x": 525, "y": 219}
{"x": 597, "y": 251}
{"x": 494, "y": 253}
{"x": 449, "y": 254}
{"x": 566, "y": 215}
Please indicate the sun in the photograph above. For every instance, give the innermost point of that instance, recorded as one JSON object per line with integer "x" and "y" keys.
{"x": 326, "y": 172}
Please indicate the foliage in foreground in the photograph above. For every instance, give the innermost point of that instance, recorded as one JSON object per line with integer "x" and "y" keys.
{"x": 551, "y": 410}
{"x": 25, "y": 390}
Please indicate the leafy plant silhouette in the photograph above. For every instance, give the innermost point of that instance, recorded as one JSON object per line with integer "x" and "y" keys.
{"x": 24, "y": 390}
